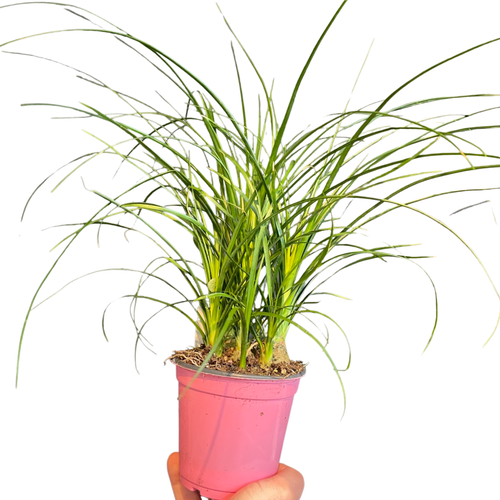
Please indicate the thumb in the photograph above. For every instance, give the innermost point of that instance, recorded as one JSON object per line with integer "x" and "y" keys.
{"x": 287, "y": 484}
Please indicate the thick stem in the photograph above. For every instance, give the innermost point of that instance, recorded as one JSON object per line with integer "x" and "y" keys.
{"x": 234, "y": 344}
{"x": 266, "y": 355}
{"x": 280, "y": 354}
{"x": 274, "y": 353}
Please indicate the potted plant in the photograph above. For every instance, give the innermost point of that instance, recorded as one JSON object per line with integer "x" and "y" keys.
{"x": 265, "y": 220}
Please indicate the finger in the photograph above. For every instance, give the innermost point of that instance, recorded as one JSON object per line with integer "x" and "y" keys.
{"x": 180, "y": 491}
{"x": 287, "y": 484}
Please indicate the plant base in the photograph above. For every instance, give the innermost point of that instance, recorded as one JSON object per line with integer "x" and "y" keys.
{"x": 229, "y": 361}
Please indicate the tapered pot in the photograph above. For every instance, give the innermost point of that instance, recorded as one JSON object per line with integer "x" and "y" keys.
{"x": 231, "y": 428}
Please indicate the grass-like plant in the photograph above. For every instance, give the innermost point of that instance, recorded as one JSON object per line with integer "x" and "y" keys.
{"x": 270, "y": 217}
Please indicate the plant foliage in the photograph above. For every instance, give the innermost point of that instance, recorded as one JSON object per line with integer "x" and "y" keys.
{"x": 271, "y": 217}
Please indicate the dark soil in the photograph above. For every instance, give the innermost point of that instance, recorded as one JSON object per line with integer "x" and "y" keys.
{"x": 226, "y": 362}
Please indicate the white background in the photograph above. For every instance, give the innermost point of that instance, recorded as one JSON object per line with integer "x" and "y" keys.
{"x": 83, "y": 424}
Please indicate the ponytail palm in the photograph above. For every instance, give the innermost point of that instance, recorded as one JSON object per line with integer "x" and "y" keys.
{"x": 270, "y": 217}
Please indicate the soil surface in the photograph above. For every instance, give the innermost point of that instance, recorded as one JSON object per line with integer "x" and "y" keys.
{"x": 227, "y": 363}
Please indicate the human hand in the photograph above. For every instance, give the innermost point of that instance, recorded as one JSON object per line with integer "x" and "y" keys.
{"x": 287, "y": 484}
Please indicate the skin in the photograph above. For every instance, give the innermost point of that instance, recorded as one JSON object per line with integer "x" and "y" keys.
{"x": 287, "y": 484}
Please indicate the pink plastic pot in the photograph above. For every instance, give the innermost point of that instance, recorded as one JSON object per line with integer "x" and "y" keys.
{"x": 231, "y": 428}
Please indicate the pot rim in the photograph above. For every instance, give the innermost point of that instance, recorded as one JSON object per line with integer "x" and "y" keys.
{"x": 220, "y": 373}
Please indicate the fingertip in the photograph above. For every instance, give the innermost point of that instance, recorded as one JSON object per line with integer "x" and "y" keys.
{"x": 173, "y": 464}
